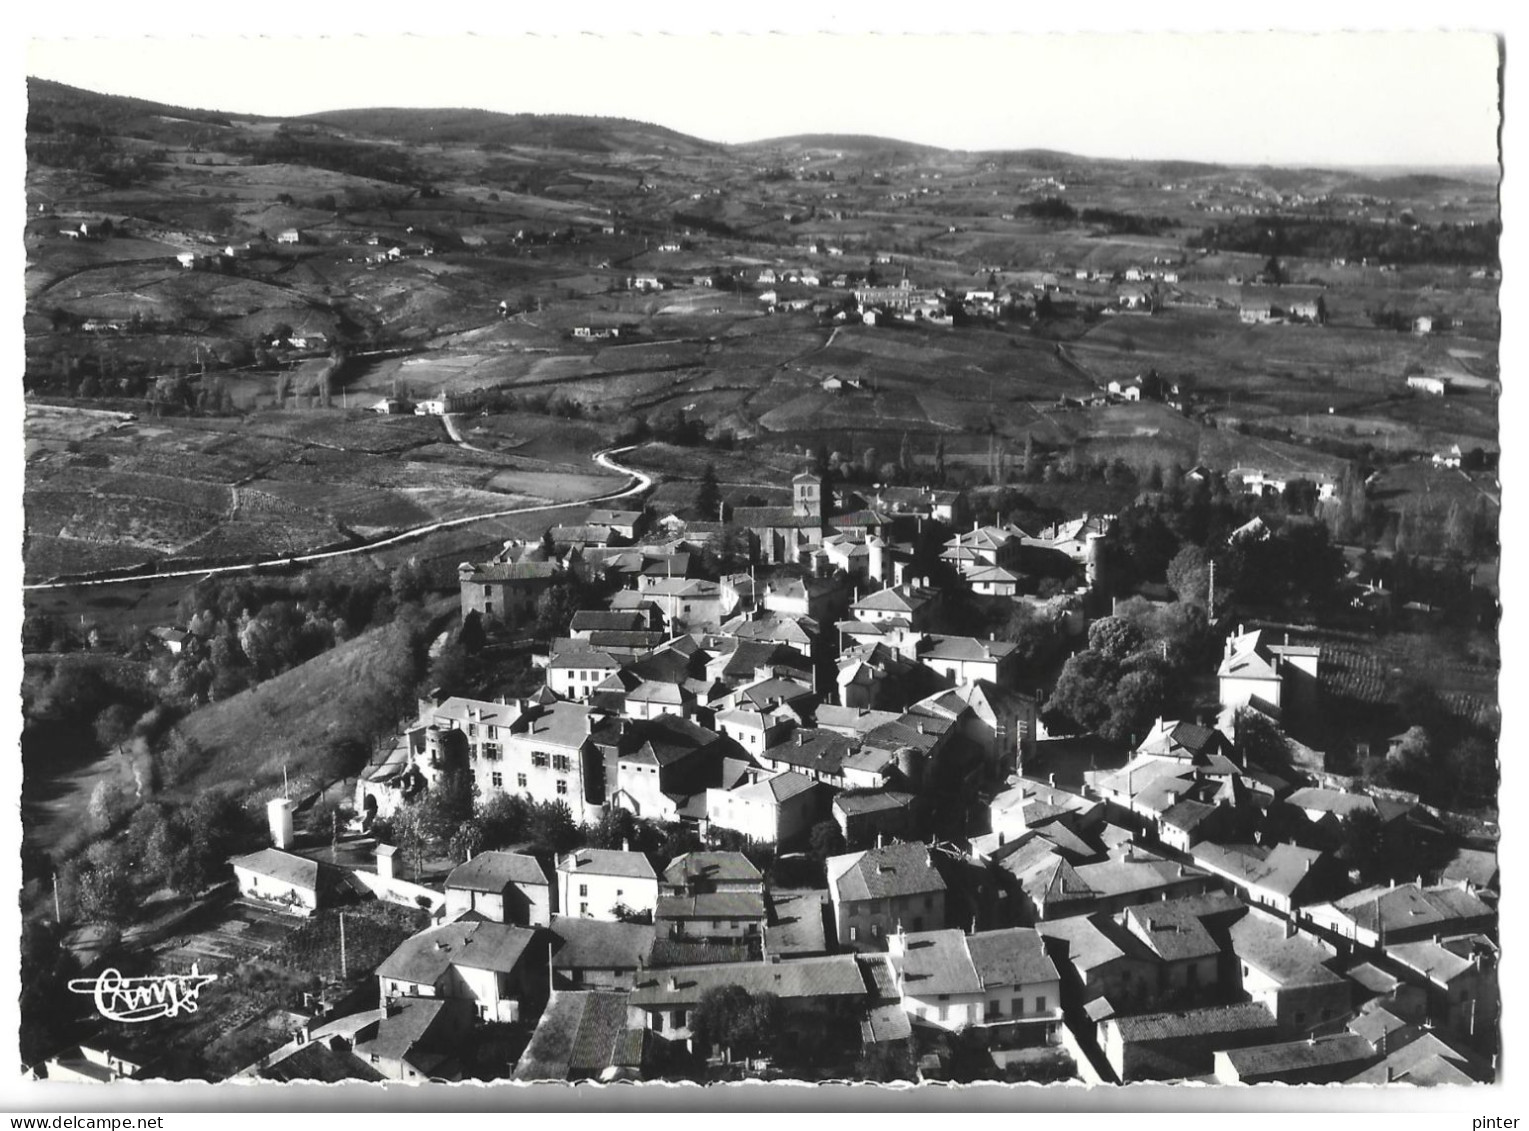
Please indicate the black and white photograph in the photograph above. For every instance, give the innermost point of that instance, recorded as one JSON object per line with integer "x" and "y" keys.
{"x": 739, "y": 557}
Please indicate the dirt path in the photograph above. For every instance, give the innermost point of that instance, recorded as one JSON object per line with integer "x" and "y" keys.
{"x": 638, "y": 482}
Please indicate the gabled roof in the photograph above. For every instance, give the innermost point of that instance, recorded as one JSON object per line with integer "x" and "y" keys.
{"x": 712, "y": 867}
{"x": 1012, "y": 957}
{"x": 965, "y": 648}
{"x": 1280, "y": 870}
{"x": 895, "y": 600}
{"x": 557, "y": 724}
{"x": 608, "y": 862}
{"x": 597, "y": 944}
{"x": 839, "y": 976}
{"x": 711, "y": 905}
{"x": 494, "y": 871}
{"x": 936, "y": 962}
{"x": 881, "y": 801}
{"x": 511, "y": 571}
{"x": 1171, "y": 932}
{"x": 590, "y": 620}
{"x": 1088, "y": 945}
{"x": 775, "y": 790}
{"x": 896, "y": 869}
{"x": 1295, "y": 1056}
{"x": 1196, "y": 1024}
{"x": 298, "y": 871}
{"x": 425, "y": 957}
{"x": 580, "y": 1035}
{"x": 1289, "y": 960}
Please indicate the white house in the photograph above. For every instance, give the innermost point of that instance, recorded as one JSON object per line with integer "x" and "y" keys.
{"x": 504, "y": 887}
{"x": 279, "y": 878}
{"x": 592, "y": 882}
{"x": 289, "y": 235}
{"x": 780, "y": 808}
{"x": 491, "y": 965}
{"x": 951, "y": 980}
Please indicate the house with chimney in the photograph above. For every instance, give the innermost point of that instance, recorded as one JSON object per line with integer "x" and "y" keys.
{"x": 881, "y": 890}
{"x": 779, "y": 809}
{"x": 598, "y": 954}
{"x": 502, "y": 887}
{"x": 1290, "y": 972}
{"x": 812, "y": 992}
{"x": 593, "y": 882}
{"x": 950, "y": 980}
{"x": 500, "y": 970}
{"x": 1273, "y": 677}
{"x": 505, "y": 589}
{"x": 711, "y": 896}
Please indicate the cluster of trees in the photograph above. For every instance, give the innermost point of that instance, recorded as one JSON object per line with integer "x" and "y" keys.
{"x": 1122, "y": 223}
{"x": 673, "y": 426}
{"x": 88, "y": 148}
{"x": 323, "y": 150}
{"x": 183, "y": 847}
{"x": 1328, "y": 238}
{"x": 740, "y": 1023}
{"x": 1119, "y": 683}
{"x": 246, "y": 630}
{"x": 1297, "y": 563}
{"x": 47, "y": 1005}
{"x": 451, "y": 820}
{"x": 1436, "y": 527}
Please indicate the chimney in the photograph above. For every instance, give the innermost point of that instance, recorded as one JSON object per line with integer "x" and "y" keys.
{"x": 673, "y": 984}
{"x": 626, "y": 845}
{"x": 1051, "y": 780}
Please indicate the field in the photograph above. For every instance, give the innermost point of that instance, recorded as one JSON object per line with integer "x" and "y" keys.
{"x": 248, "y": 740}
{"x": 104, "y": 492}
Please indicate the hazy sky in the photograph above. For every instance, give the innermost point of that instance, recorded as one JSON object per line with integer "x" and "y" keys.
{"x": 1330, "y": 98}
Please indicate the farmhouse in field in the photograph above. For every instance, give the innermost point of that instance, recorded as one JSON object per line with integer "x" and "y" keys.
{"x": 279, "y": 878}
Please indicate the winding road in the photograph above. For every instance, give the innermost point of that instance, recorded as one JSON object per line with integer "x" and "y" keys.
{"x": 637, "y": 482}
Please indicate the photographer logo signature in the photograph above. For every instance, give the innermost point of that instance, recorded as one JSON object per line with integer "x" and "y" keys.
{"x": 143, "y": 999}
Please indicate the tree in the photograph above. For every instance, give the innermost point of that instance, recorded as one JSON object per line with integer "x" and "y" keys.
{"x": 1259, "y": 740}
{"x": 1115, "y": 638}
{"x": 708, "y": 497}
{"x": 103, "y": 893}
{"x": 109, "y": 804}
{"x": 1413, "y": 754}
{"x": 825, "y": 840}
{"x": 552, "y": 827}
{"x": 740, "y": 1023}
{"x": 1362, "y": 844}
{"x": 1189, "y": 575}
{"x": 47, "y": 1006}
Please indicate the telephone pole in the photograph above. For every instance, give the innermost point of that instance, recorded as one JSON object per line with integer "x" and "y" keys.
{"x": 344, "y": 968}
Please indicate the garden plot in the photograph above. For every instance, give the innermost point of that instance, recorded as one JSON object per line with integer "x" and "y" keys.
{"x": 49, "y": 424}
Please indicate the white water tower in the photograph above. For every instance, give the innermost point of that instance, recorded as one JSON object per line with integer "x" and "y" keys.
{"x": 279, "y": 812}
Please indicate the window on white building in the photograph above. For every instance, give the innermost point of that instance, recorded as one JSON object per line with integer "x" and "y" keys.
{"x": 498, "y": 779}
{"x": 1040, "y": 1004}
{"x": 520, "y": 781}
{"x": 562, "y": 786}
